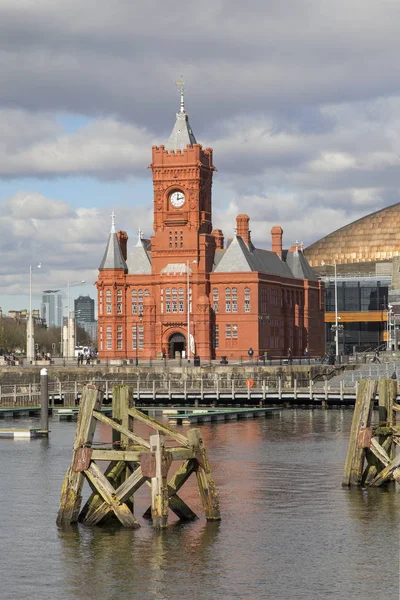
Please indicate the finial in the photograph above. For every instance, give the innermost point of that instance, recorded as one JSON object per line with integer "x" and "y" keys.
{"x": 139, "y": 237}
{"x": 181, "y": 84}
{"x": 113, "y": 222}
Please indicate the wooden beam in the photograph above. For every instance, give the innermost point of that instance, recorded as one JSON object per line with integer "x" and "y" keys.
{"x": 136, "y": 414}
{"x": 132, "y": 436}
{"x": 113, "y": 473}
{"x": 391, "y": 470}
{"x": 133, "y": 454}
{"x": 71, "y": 492}
{"x": 379, "y": 452}
{"x": 108, "y": 493}
{"x": 353, "y": 470}
{"x": 207, "y": 488}
{"x": 159, "y": 492}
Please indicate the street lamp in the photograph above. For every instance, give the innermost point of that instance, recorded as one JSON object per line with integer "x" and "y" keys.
{"x": 137, "y": 338}
{"x": 188, "y": 307}
{"x": 68, "y": 321}
{"x": 389, "y": 328}
{"x": 30, "y": 345}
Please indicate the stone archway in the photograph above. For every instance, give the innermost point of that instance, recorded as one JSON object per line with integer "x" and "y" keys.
{"x": 176, "y": 343}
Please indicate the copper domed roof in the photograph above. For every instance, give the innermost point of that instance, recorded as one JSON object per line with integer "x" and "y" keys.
{"x": 375, "y": 237}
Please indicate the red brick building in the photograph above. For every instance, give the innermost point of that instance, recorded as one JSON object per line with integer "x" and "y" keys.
{"x": 186, "y": 283}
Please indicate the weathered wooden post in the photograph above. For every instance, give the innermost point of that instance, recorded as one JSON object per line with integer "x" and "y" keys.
{"x": 44, "y": 402}
{"x": 159, "y": 490}
{"x": 208, "y": 491}
{"x": 71, "y": 492}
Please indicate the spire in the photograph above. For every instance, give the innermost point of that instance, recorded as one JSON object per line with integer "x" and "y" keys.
{"x": 113, "y": 258}
{"x": 182, "y": 133}
{"x": 139, "y": 237}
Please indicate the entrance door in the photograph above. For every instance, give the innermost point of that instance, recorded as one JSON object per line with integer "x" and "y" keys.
{"x": 177, "y": 343}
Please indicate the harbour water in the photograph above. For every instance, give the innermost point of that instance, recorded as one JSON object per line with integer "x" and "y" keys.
{"x": 288, "y": 529}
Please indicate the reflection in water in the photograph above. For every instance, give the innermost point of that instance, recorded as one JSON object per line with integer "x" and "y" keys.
{"x": 288, "y": 529}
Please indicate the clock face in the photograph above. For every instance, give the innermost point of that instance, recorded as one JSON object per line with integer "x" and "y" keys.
{"x": 177, "y": 199}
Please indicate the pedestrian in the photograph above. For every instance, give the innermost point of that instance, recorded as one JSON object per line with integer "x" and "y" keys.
{"x": 79, "y": 358}
{"x": 376, "y": 358}
{"x": 88, "y": 359}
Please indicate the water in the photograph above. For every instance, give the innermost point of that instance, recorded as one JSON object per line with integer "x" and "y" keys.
{"x": 288, "y": 531}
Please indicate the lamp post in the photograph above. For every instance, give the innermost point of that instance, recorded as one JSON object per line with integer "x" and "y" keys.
{"x": 137, "y": 338}
{"x": 30, "y": 348}
{"x": 336, "y": 308}
{"x": 389, "y": 328}
{"x": 188, "y": 307}
{"x": 69, "y": 317}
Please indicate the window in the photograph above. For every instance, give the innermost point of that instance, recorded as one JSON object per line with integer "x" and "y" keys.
{"x": 247, "y": 300}
{"x": 134, "y": 338}
{"x": 162, "y": 301}
{"x": 228, "y": 332}
{"x": 168, "y": 300}
{"x": 119, "y": 301}
{"x": 134, "y": 302}
{"x": 234, "y": 332}
{"x": 101, "y": 302}
{"x": 181, "y": 300}
{"x": 170, "y": 239}
{"x": 140, "y": 301}
{"x": 216, "y": 336}
{"x": 109, "y": 338}
{"x": 108, "y": 302}
{"x": 141, "y": 336}
{"x": 228, "y": 300}
{"x": 215, "y": 300}
{"x": 234, "y": 300}
{"x": 181, "y": 241}
{"x": 119, "y": 337}
{"x": 174, "y": 300}
{"x": 101, "y": 338}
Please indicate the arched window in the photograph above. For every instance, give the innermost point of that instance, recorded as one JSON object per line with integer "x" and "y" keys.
{"x": 181, "y": 294}
{"x": 101, "y": 302}
{"x": 168, "y": 300}
{"x": 140, "y": 301}
{"x": 134, "y": 302}
{"x": 234, "y": 300}
{"x": 108, "y": 302}
{"x": 119, "y": 301}
{"x": 215, "y": 300}
{"x": 228, "y": 300}
{"x": 247, "y": 300}
{"x": 174, "y": 300}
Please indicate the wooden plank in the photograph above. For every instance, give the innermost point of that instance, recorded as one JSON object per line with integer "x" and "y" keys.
{"x": 108, "y": 493}
{"x": 132, "y": 436}
{"x": 133, "y": 454}
{"x": 71, "y": 492}
{"x": 379, "y": 452}
{"x": 113, "y": 473}
{"x": 207, "y": 488}
{"x": 136, "y": 414}
{"x": 159, "y": 491}
{"x": 353, "y": 469}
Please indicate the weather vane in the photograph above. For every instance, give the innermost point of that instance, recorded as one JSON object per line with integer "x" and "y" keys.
{"x": 181, "y": 84}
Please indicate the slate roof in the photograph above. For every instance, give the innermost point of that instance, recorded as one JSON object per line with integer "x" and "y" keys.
{"x": 182, "y": 133}
{"x": 238, "y": 258}
{"x": 139, "y": 262}
{"x": 113, "y": 258}
{"x": 299, "y": 266}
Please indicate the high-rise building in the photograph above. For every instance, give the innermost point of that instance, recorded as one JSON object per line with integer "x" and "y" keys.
{"x": 51, "y": 308}
{"x": 84, "y": 309}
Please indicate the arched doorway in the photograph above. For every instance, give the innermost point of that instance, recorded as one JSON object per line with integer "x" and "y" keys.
{"x": 176, "y": 343}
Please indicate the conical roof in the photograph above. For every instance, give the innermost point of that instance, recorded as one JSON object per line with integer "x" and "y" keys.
{"x": 139, "y": 261}
{"x": 113, "y": 258}
{"x": 182, "y": 133}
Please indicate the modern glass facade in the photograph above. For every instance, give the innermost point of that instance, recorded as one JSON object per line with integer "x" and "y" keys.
{"x": 363, "y": 294}
{"x": 355, "y": 295}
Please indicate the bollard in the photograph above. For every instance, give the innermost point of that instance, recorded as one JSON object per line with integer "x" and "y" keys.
{"x": 44, "y": 401}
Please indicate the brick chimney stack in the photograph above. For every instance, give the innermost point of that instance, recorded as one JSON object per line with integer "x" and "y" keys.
{"x": 242, "y": 228}
{"x": 277, "y": 234}
{"x": 122, "y": 238}
{"x": 219, "y": 238}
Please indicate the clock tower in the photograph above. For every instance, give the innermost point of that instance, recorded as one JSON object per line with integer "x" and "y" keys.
{"x": 182, "y": 179}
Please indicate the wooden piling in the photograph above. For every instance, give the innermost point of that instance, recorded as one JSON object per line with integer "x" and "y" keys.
{"x": 44, "y": 402}
{"x": 159, "y": 491}
{"x": 205, "y": 482}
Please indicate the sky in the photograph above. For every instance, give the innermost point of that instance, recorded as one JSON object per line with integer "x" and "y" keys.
{"x": 298, "y": 98}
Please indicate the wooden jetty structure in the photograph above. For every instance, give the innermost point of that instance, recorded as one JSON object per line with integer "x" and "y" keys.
{"x": 132, "y": 461}
{"x": 371, "y": 458}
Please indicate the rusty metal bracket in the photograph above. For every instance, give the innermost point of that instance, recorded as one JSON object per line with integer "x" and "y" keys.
{"x": 82, "y": 459}
{"x": 148, "y": 464}
{"x": 364, "y": 437}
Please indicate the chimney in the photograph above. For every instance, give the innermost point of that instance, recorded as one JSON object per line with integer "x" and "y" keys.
{"x": 122, "y": 238}
{"x": 242, "y": 228}
{"x": 219, "y": 238}
{"x": 277, "y": 233}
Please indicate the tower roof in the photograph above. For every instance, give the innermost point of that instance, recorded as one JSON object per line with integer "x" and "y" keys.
{"x": 139, "y": 261}
{"x": 182, "y": 133}
{"x": 113, "y": 258}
